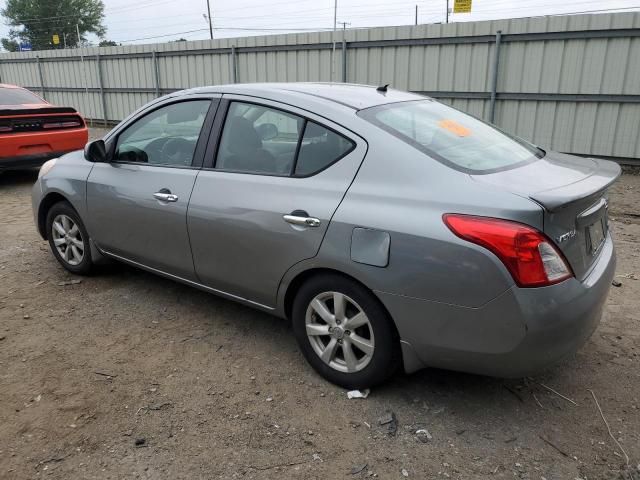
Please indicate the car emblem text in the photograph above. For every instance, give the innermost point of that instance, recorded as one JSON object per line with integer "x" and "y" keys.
{"x": 566, "y": 236}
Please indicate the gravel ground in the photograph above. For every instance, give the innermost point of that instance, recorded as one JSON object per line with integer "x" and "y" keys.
{"x": 128, "y": 375}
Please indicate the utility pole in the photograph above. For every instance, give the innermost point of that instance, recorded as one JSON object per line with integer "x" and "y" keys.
{"x": 344, "y": 30}
{"x": 416, "y": 15}
{"x": 84, "y": 75}
{"x": 333, "y": 49}
{"x": 210, "y": 19}
{"x": 447, "y": 11}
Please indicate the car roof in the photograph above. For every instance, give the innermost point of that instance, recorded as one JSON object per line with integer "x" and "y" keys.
{"x": 6, "y": 85}
{"x": 350, "y": 95}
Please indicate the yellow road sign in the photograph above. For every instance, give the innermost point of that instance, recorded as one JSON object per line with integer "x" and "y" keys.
{"x": 56, "y": 39}
{"x": 462, "y": 6}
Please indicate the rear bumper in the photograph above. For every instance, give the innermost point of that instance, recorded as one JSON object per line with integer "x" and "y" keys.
{"x": 519, "y": 333}
{"x": 27, "y": 161}
{"x": 32, "y": 149}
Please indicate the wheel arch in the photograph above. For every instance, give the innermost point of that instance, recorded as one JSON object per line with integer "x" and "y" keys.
{"x": 294, "y": 286}
{"x": 45, "y": 205}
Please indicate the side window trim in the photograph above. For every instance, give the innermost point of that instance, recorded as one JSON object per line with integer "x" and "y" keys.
{"x": 213, "y": 144}
{"x": 213, "y": 141}
{"x": 292, "y": 173}
{"x": 198, "y": 154}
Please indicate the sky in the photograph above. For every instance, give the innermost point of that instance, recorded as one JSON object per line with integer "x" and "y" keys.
{"x": 155, "y": 21}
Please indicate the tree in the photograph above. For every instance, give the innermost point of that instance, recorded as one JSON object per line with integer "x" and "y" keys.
{"x": 108, "y": 43}
{"x": 37, "y": 21}
{"x": 10, "y": 45}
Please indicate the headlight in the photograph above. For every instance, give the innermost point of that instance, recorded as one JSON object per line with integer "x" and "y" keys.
{"x": 46, "y": 167}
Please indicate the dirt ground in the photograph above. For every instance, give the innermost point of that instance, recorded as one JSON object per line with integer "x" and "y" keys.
{"x": 212, "y": 389}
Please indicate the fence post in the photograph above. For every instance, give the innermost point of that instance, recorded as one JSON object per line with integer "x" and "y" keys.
{"x": 234, "y": 65}
{"x": 156, "y": 72}
{"x": 494, "y": 78}
{"x": 42, "y": 86}
{"x": 344, "y": 61}
{"x": 101, "y": 88}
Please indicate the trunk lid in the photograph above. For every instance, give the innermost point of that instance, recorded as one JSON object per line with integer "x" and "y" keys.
{"x": 17, "y": 119}
{"x": 573, "y": 194}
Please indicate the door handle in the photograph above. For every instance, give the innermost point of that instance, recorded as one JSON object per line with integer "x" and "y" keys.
{"x": 165, "y": 196}
{"x": 301, "y": 218}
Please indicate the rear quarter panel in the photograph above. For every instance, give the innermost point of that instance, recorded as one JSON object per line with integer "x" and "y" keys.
{"x": 405, "y": 193}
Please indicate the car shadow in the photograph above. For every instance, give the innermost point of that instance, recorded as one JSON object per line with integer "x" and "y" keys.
{"x": 458, "y": 388}
{"x": 15, "y": 178}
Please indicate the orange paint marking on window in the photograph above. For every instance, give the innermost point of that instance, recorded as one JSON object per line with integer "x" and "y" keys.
{"x": 454, "y": 127}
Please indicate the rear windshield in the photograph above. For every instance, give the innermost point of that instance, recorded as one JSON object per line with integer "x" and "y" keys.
{"x": 17, "y": 96}
{"x": 452, "y": 137}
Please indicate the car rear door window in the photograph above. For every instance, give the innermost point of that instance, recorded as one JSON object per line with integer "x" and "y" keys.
{"x": 166, "y": 136}
{"x": 320, "y": 148}
{"x": 259, "y": 139}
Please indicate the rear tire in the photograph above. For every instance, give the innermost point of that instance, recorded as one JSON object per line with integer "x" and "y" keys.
{"x": 68, "y": 238}
{"x": 344, "y": 332}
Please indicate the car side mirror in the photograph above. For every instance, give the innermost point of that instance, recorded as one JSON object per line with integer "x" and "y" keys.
{"x": 96, "y": 151}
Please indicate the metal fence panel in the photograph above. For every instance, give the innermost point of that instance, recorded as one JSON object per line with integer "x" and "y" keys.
{"x": 569, "y": 83}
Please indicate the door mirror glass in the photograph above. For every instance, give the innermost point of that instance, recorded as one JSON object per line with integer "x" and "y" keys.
{"x": 96, "y": 151}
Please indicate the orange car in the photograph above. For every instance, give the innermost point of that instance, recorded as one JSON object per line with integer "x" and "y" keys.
{"x": 33, "y": 131}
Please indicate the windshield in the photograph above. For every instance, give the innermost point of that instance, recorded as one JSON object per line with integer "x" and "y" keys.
{"x": 450, "y": 136}
{"x": 17, "y": 96}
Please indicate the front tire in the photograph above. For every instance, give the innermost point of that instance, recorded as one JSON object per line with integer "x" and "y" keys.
{"x": 344, "y": 332}
{"x": 68, "y": 239}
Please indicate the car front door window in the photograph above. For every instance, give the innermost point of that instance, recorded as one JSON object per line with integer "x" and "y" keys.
{"x": 166, "y": 136}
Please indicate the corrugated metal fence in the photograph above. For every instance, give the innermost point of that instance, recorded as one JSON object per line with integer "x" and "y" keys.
{"x": 569, "y": 83}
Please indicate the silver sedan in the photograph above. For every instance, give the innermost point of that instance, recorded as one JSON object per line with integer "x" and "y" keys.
{"x": 393, "y": 231}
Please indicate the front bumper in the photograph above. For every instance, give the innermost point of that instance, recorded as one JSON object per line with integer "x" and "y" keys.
{"x": 519, "y": 333}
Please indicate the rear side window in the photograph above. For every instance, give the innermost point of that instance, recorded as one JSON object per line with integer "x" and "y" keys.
{"x": 452, "y": 137}
{"x": 17, "y": 96}
{"x": 261, "y": 139}
{"x": 320, "y": 148}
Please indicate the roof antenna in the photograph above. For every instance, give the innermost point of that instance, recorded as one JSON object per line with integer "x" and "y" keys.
{"x": 382, "y": 88}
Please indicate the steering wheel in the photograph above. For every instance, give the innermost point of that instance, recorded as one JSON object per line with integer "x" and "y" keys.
{"x": 176, "y": 150}
{"x": 154, "y": 150}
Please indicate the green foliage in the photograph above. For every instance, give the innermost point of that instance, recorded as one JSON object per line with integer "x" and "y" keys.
{"x": 9, "y": 45}
{"x": 38, "y": 20}
{"x": 108, "y": 43}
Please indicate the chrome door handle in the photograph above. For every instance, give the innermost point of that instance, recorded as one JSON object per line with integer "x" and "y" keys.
{"x": 303, "y": 221}
{"x": 165, "y": 197}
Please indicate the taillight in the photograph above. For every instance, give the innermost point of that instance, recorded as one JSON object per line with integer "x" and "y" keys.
{"x": 69, "y": 124}
{"x": 528, "y": 254}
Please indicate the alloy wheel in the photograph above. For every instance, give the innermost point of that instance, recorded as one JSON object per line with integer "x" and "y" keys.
{"x": 67, "y": 239}
{"x": 339, "y": 332}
